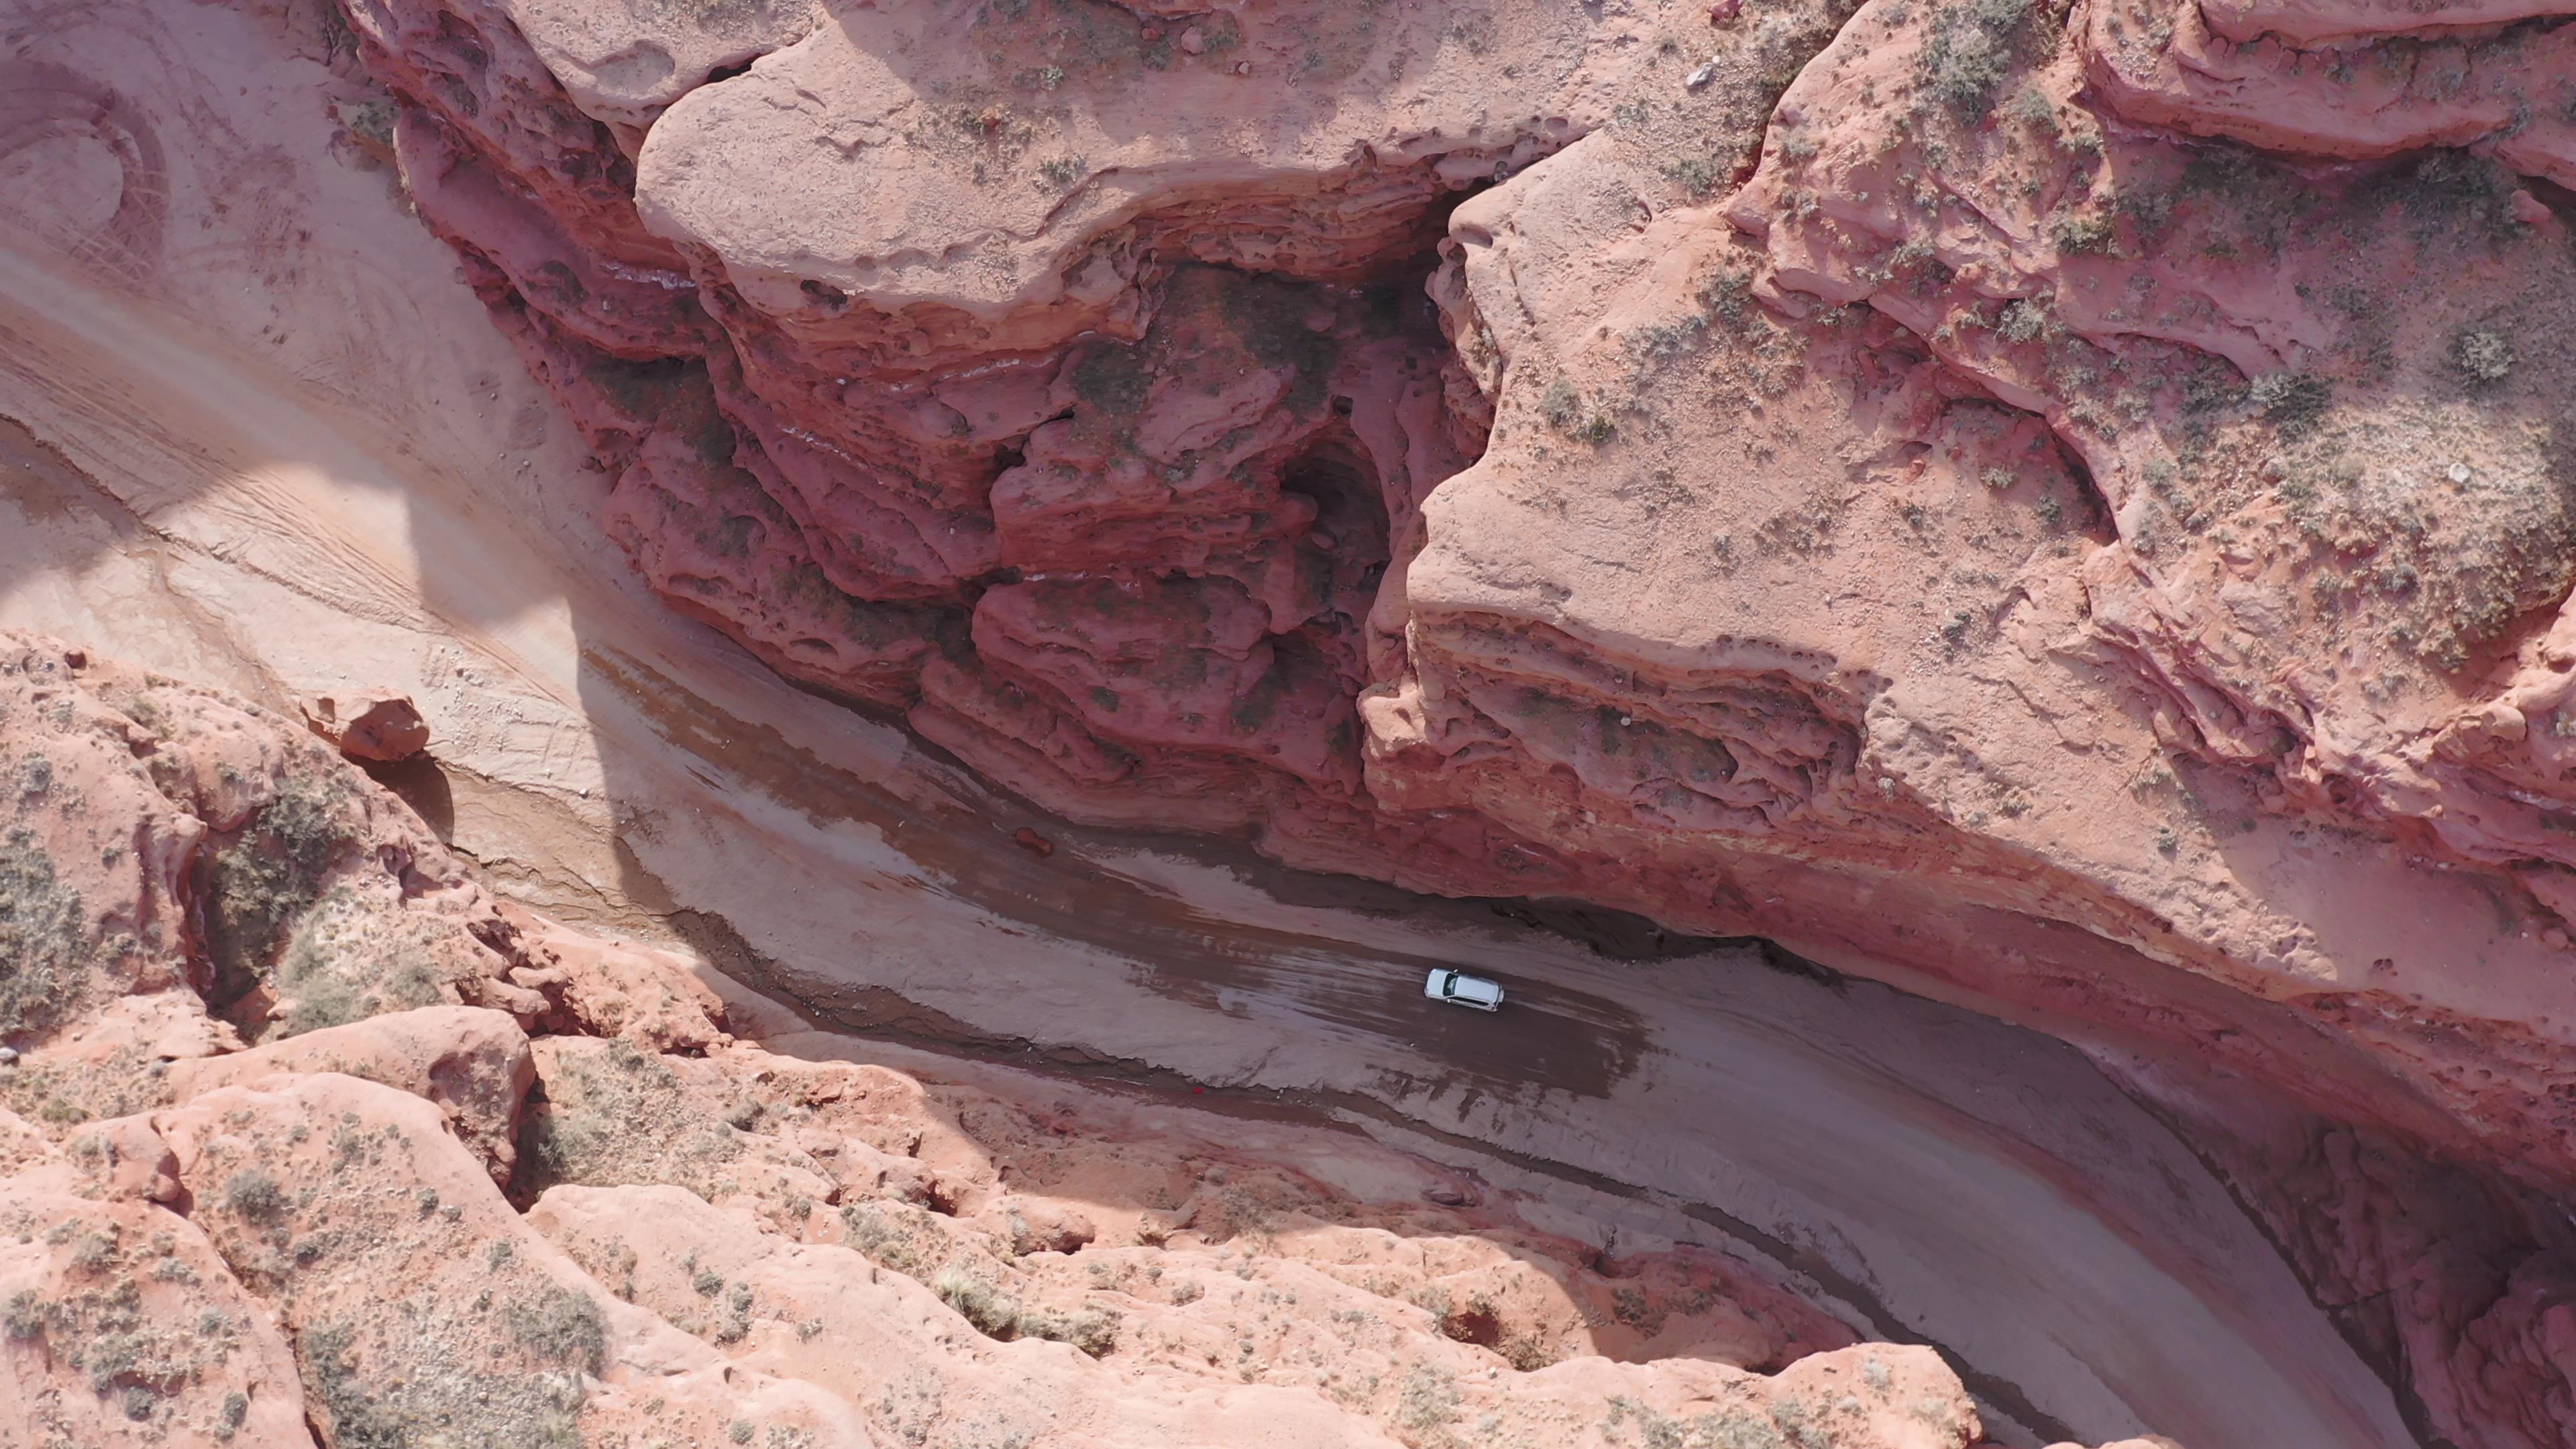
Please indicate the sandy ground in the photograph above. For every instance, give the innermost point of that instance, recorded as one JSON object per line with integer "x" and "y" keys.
{"x": 258, "y": 434}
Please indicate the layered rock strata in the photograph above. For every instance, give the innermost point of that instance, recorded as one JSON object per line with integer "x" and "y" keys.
{"x": 2067, "y": 509}
{"x": 589, "y": 1212}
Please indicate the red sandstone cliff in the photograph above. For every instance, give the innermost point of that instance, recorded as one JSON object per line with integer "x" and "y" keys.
{"x": 2066, "y": 509}
{"x": 307, "y": 1143}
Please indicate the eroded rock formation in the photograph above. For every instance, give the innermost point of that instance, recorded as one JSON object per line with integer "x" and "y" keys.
{"x": 590, "y": 1211}
{"x": 2064, "y": 508}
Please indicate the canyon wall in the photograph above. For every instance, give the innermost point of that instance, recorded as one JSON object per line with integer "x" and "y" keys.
{"x": 306, "y": 1140}
{"x": 2064, "y": 509}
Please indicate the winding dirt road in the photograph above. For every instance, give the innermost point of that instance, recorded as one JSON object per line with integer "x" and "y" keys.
{"x": 283, "y": 451}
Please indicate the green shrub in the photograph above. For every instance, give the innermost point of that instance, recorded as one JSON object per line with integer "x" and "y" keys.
{"x": 254, "y": 1194}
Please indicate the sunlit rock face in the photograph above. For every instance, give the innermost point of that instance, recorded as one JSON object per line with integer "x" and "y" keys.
{"x": 2064, "y": 508}
{"x": 307, "y": 1144}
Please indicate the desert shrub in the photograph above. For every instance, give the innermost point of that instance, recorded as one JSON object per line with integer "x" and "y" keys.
{"x": 1561, "y": 405}
{"x": 42, "y": 941}
{"x": 1429, "y": 1399}
{"x": 254, "y": 1194}
{"x": 616, "y": 1115}
{"x": 264, "y": 880}
{"x": 994, "y": 1313}
{"x": 1697, "y": 175}
{"x": 23, "y": 1316}
{"x": 564, "y": 1326}
{"x": 2084, "y": 232}
{"x": 1563, "y": 408}
{"x": 345, "y": 963}
{"x": 2294, "y": 402}
{"x": 1970, "y": 51}
{"x": 1091, "y": 1328}
{"x": 2482, "y": 357}
{"x": 439, "y": 1385}
{"x": 2022, "y": 320}
{"x": 864, "y": 1226}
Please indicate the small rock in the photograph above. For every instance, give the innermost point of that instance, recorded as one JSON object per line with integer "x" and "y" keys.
{"x": 1033, "y": 842}
{"x": 1698, "y": 79}
{"x": 1243, "y": 67}
{"x": 76, "y": 658}
{"x": 1192, "y": 41}
{"x": 2457, "y": 473}
{"x": 375, "y": 724}
{"x": 1724, "y": 11}
{"x": 8, "y": 1056}
{"x": 2527, "y": 209}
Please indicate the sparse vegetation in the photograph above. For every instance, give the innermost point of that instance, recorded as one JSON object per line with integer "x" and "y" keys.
{"x": 254, "y": 1194}
{"x": 1970, "y": 50}
{"x": 615, "y": 1115}
{"x": 996, "y": 1314}
{"x": 1699, "y": 176}
{"x": 2032, "y": 108}
{"x": 42, "y": 938}
{"x": 263, "y": 881}
{"x": 2023, "y": 320}
{"x": 1564, "y": 409}
{"x": 563, "y": 1326}
{"x": 1429, "y": 1400}
{"x": 867, "y": 1229}
{"x": 348, "y": 960}
{"x": 439, "y": 1382}
{"x": 2294, "y": 402}
{"x": 2483, "y": 357}
{"x": 2084, "y": 233}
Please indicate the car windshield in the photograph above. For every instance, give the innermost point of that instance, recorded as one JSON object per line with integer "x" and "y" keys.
{"x": 1449, "y": 987}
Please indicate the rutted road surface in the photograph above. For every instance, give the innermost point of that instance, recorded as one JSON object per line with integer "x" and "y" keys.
{"x": 285, "y": 452}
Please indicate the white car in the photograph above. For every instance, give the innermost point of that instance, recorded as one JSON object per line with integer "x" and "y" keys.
{"x": 1460, "y": 989}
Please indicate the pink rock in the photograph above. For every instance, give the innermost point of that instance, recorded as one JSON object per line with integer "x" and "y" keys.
{"x": 370, "y": 725}
{"x": 473, "y": 1063}
{"x": 127, "y": 1330}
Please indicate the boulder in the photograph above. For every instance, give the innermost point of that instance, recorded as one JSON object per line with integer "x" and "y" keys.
{"x": 376, "y": 726}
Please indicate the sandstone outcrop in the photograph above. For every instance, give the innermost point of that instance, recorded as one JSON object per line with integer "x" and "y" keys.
{"x": 471, "y": 1061}
{"x": 123, "y": 1328}
{"x": 378, "y": 725}
{"x": 1946, "y": 487}
{"x": 328, "y": 1239}
{"x": 1002, "y": 424}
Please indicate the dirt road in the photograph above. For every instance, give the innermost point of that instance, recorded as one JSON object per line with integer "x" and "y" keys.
{"x": 282, "y": 450}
